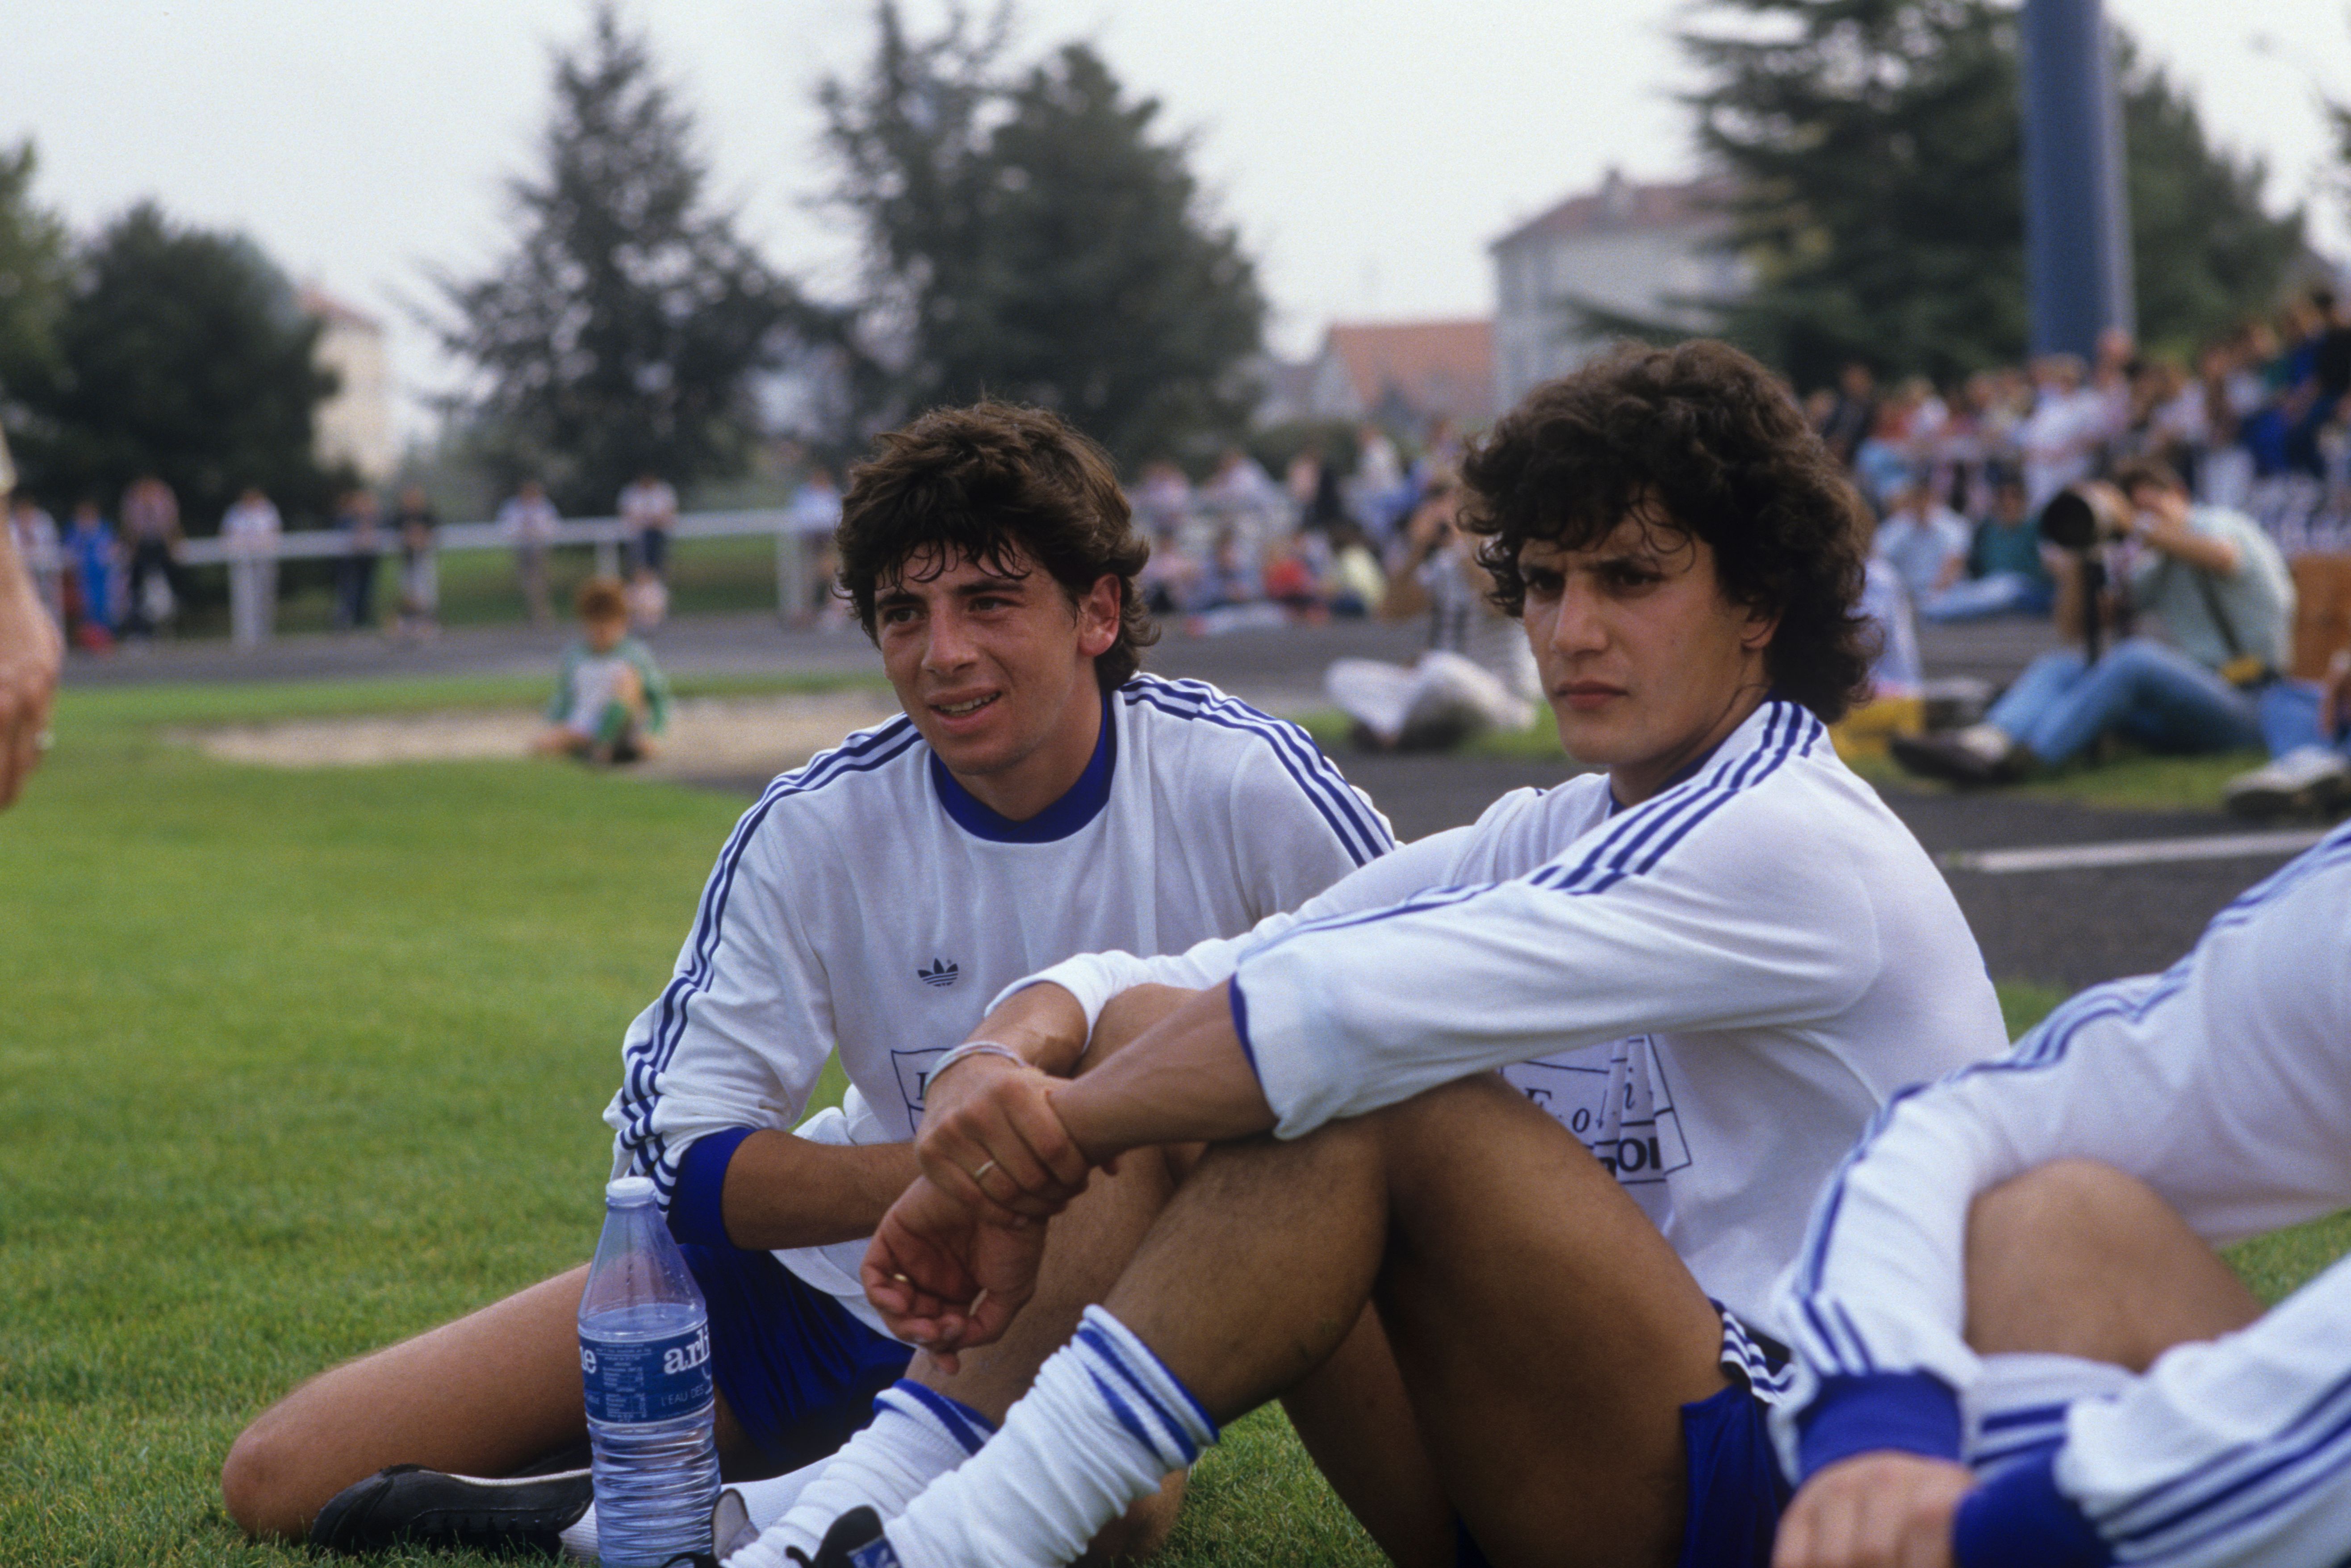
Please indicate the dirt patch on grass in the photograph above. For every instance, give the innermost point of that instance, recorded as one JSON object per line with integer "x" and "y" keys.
{"x": 706, "y": 738}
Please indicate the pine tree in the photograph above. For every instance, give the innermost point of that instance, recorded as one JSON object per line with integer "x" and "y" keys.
{"x": 1879, "y": 151}
{"x": 34, "y": 251}
{"x": 624, "y": 332}
{"x": 1035, "y": 239}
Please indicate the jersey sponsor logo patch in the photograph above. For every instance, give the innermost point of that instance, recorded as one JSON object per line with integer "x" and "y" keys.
{"x": 913, "y": 1070}
{"x": 940, "y": 973}
{"x": 1616, "y": 1100}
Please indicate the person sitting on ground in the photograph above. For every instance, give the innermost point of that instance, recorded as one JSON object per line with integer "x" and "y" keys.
{"x": 1701, "y": 973}
{"x": 2307, "y": 728}
{"x": 2006, "y": 573}
{"x": 1478, "y": 673}
{"x": 2223, "y": 593}
{"x": 1924, "y": 541}
{"x": 611, "y": 700}
{"x": 1038, "y": 796}
{"x": 2016, "y": 1343}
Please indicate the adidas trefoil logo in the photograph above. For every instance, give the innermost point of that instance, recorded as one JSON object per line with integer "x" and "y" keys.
{"x": 940, "y": 973}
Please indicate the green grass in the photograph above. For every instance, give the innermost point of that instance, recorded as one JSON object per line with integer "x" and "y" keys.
{"x": 297, "y": 1062}
{"x": 2130, "y": 780}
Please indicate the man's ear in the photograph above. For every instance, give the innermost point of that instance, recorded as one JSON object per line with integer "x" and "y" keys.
{"x": 1099, "y": 615}
{"x": 1760, "y": 629}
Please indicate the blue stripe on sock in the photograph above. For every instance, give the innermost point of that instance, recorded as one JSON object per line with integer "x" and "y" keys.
{"x": 964, "y": 1424}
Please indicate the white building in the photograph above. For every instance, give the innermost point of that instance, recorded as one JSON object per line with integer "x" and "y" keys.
{"x": 354, "y": 426}
{"x": 1634, "y": 250}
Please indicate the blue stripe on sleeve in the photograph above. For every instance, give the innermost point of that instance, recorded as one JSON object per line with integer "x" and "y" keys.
{"x": 2046, "y": 1045}
{"x": 2317, "y": 1443}
{"x": 1359, "y": 829}
{"x": 647, "y": 1058}
{"x": 2020, "y": 1520}
{"x": 1914, "y": 1412}
{"x": 697, "y": 1210}
{"x": 1240, "y": 1026}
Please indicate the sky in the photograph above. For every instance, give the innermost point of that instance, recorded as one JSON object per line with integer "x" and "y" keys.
{"x": 1367, "y": 152}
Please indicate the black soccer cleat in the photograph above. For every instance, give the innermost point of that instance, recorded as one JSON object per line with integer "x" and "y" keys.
{"x": 855, "y": 1540}
{"x": 410, "y": 1503}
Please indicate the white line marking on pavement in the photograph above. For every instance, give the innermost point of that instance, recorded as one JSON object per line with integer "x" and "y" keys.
{"x": 2135, "y": 852}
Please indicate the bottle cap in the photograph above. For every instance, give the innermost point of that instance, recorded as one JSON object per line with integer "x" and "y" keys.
{"x": 631, "y": 1190}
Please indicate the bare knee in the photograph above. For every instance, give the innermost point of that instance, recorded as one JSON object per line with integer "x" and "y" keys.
{"x": 1137, "y": 1535}
{"x": 2077, "y": 1258}
{"x": 259, "y": 1482}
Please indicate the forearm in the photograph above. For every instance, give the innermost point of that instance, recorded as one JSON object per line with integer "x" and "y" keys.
{"x": 786, "y": 1191}
{"x": 1185, "y": 1078}
{"x": 1043, "y": 1024}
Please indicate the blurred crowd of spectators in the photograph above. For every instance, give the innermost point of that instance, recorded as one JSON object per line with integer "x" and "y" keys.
{"x": 2211, "y": 477}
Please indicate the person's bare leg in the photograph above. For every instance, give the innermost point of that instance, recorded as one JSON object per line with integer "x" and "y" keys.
{"x": 2075, "y": 1258}
{"x": 484, "y": 1395}
{"x": 1088, "y": 1246}
{"x": 1547, "y": 1334}
{"x": 487, "y": 1395}
{"x": 1355, "y": 1419}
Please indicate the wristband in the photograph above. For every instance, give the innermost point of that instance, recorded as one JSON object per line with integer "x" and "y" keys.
{"x": 971, "y": 1048}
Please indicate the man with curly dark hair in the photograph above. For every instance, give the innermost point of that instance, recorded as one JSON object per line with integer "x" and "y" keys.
{"x": 1038, "y": 797}
{"x": 1549, "y": 1096}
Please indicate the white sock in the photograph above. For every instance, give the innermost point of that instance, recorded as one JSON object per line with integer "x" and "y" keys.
{"x": 1096, "y": 1434}
{"x": 579, "y": 1540}
{"x": 916, "y": 1435}
{"x": 766, "y": 1501}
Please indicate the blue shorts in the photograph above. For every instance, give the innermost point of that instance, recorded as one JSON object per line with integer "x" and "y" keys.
{"x": 1736, "y": 1491}
{"x": 798, "y": 1370}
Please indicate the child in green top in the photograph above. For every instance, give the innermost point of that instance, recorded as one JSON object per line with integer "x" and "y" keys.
{"x": 609, "y": 700}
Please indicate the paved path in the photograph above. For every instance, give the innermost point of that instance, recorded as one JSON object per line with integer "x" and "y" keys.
{"x": 2066, "y": 927}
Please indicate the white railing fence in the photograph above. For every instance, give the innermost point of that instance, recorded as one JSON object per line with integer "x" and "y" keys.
{"x": 605, "y": 535}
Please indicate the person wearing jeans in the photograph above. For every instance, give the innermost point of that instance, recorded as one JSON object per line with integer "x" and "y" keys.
{"x": 2308, "y": 727}
{"x": 2221, "y": 588}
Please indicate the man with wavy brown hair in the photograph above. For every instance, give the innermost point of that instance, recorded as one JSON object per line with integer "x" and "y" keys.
{"x": 1548, "y": 1097}
{"x": 1038, "y": 798}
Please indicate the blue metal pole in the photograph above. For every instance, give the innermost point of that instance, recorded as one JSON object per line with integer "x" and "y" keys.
{"x": 2076, "y": 216}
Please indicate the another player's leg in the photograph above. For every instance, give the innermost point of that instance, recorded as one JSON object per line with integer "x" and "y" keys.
{"x": 1355, "y": 1417}
{"x": 492, "y": 1394}
{"x": 1548, "y": 1335}
{"x": 488, "y": 1394}
{"x": 914, "y": 1439}
{"x": 2077, "y": 1258}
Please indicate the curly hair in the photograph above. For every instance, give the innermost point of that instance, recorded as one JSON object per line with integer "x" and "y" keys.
{"x": 1705, "y": 441}
{"x": 975, "y": 484}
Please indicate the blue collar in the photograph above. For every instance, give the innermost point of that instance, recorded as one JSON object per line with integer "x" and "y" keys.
{"x": 1079, "y": 805}
{"x": 1690, "y": 772}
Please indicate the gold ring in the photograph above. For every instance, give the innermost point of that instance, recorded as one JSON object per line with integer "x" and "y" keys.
{"x": 982, "y": 1171}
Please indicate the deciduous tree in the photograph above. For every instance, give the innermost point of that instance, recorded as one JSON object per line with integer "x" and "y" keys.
{"x": 180, "y": 352}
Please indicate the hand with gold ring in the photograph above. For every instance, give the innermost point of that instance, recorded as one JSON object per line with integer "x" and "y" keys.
{"x": 990, "y": 1137}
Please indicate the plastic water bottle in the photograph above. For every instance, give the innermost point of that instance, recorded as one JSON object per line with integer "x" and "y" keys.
{"x": 645, "y": 1355}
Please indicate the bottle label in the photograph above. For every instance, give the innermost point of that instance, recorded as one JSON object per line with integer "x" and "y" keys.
{"x": 639, "y": 1380}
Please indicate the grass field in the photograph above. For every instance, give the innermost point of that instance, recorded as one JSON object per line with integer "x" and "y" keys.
{"x": 297, "y": 1062}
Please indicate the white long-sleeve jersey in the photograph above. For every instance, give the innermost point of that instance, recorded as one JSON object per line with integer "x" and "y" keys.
{"x": 868, "y": 904}
{"x": 1715, "y": 990}
{"x": 2225, "y": 1084}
